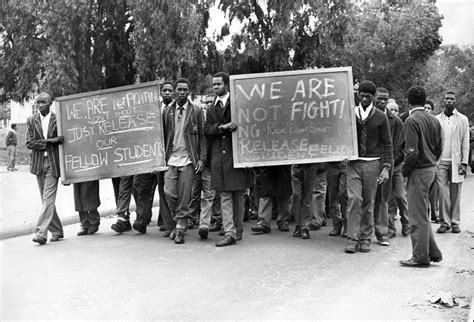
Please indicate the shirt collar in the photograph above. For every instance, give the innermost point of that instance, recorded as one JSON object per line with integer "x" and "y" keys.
{"x": 455, "y": 113}
{"x": 363, "y": 114}
{"x": 419, "y": 108}
{"x": 223, "y": 99}
{"x": 45, "y": 117}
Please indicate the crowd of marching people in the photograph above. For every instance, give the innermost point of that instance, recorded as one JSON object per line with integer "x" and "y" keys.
{"x": 410, "y": 165}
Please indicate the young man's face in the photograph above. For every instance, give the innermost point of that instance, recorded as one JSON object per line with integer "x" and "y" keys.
{"x": 365, "y": 99}
{"x": 428, "y": 108}
{"x": 381, "y": 100}
{"x": 449, "y": 101}
{"x": 43, "y": 102}
{"x": 182, "y": 91}
{"x": 167, "y": 93}
{"x": 220, "y": 88}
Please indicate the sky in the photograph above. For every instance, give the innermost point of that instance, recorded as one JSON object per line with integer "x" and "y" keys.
{"x": 458, "y": 22}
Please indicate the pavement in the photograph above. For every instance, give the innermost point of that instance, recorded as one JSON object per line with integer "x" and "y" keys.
{"x": 274, "y": 276}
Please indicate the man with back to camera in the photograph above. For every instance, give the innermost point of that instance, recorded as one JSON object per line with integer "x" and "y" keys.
{"x": 185, "y": 154}
{"x": 230, "y": 182}
{"x": 11, "y": 142}
{"x": 368, "y": 171}
{"x": 42, "y": 138}
{"x": 452, "y": 168}
{"x": 423, "y": 146}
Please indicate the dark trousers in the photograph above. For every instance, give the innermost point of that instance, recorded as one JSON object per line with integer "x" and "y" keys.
{"x": 423, "y": 243}
{"x": 143, "y": 191}
{"x": 178, "y": 185}
{"x": 165, "y": 212}
{"x": 337, "y": 194}
{"x": 124, "y": 196}
{"x": 195, "y": 203}
{"x": 361, "y": 188}
{"x": 303, "y": 177}
{"x": 381, "y": 218}
{"x": 398, "y": 200}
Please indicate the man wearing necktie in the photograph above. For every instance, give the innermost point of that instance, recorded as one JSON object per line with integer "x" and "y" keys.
{"x": 185, "y": 154}
{"x": 230, "y": 182}
{"x": 371, "y": 169}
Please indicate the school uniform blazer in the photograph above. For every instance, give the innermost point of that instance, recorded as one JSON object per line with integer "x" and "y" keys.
{"x": 36, "y": 142}
{"x": 193, "y": 132}
{"x": 459, "y": 143}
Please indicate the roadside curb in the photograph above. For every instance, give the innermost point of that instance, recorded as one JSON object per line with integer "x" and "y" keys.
{"x": 30, "y": 228}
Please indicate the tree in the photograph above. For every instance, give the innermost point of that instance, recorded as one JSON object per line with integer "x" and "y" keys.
{"x": 391, "y": 45}
{"x": 452, "y": 68}
{"x": 169, "y": 40}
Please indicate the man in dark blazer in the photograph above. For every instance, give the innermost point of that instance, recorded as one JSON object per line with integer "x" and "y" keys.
{"x": 185, "y": 152}
{"x": 42, "y": 138}
{"x": 230, "y": 182}
{"x": 423, "y": 147}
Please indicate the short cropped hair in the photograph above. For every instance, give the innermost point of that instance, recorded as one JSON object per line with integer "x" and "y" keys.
{"x": 382, "y": 90}
{"x": 367, "y": 87}
{"x": 181, "y": 81}
{"x": 168, "y": 82}
{"x": 225, "y": 77}
{"x": 416, "y": 95}
{"x": 450, "y": 92}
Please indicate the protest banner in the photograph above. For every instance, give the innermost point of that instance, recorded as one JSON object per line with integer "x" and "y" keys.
{"x": 111, "y": 133}
{"x": 293, "y": 117}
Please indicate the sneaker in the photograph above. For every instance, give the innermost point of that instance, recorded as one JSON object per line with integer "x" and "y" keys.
{"x": 383, "y": 241}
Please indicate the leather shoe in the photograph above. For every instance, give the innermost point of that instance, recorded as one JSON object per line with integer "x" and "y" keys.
{"x": 435, "y": 220}
{"x": 283, "y": 227}
{"x": 297, "y": 232}
{"x": 40, "y": 240}
{"x": 391, "y": 234}
{"x": 405, "y": 231}
{"x": 351, "y": 247}
{"x": 92, "y": 230}
{"x": 412, "y": 263}
{"x": 162, "y": 228}
{"x": 364, "y": 246}
{"x": 239, "y": 234}
{"x": 179, "y": 239}
{"x": 203, "y": 232}
{"x": 167, "y": 233}
{"x": 121, "y": 226}
{"x": 314, "y": 225}
{"x": 436, "y": 259}
{"x": 259, "y": 228}
{"x": 305, "y": 233}
{"x": 56, "y": 238}
{"x": 226, "y": 241}
{"x": 139, "y": 226}
{"x": 335, "y": 232}
{"x": 443, "y": 229}
{"x": 455, "y": 230}
{"x": 82, "y": 231}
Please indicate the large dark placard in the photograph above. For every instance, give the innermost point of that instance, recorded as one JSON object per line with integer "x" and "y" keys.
{"x": 293, "y": 117}
{"x": 111, "y": 133}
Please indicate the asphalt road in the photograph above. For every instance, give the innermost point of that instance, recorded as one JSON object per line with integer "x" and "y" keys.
{"x": 274, "y": 276}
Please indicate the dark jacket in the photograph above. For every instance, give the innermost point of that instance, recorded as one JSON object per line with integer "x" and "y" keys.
{"x": 423, "y": 141}
{"x": 193, "y": 132}
{"x": 37, "y": 143}
{"x": 396, "y": 131}
{"x": 86, "y": 195}
{"x": 274, "y": 181}
{"x": 378, "y": 142}
{"x": 224, "y": 177}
